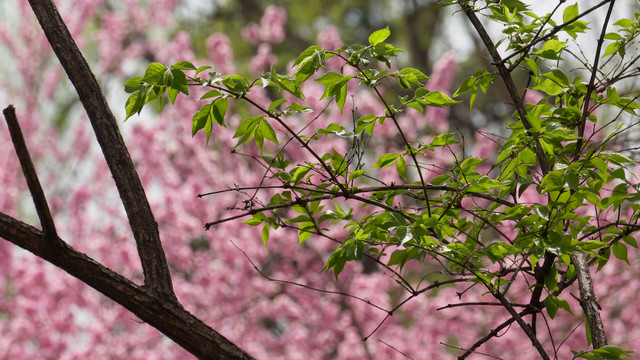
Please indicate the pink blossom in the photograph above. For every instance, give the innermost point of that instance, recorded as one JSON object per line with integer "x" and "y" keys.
{"x": 251, "y": 33}
{"x": 272, "y": 24}
{"x": 441, "y": 79}
{"x": 271, "y": 29}
{"x": 220, "y": 53}
{"x": 533, "y": 97}
{"x": 179, "y": 49}
{"x": 263, "y": 60}
{"x": 329, "y": 38}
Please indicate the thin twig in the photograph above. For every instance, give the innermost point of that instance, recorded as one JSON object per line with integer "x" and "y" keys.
{"x": 287, "y": 282}
{"x": 592, "y": 80}
{"x": 478, "y": 303}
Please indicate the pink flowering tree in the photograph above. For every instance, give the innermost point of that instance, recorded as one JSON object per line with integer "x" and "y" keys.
{"x": 428, "y": 250}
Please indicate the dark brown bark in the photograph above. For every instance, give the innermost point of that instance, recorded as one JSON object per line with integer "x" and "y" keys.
{"x": 105, "y": 126}
{"x": 164, "y": 314}
{"x": 29, "y": 171}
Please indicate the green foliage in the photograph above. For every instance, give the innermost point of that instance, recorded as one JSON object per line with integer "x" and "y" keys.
{"x": 419, "y": 220}
{"x": 609, "y": 352}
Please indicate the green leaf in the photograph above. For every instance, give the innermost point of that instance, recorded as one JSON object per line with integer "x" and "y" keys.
{"x": 176, "y": 79}
{"x": 286, "y": 83}
{"x": 401, "y": 167}
{"x": 256, "y": 219}
{"x": 203, "y": 120}
{"x": 551, "y": 279}
{"x": 335, "y": 85}
{"x": 308, "y": 63}
{"x": 184, "y": 65}
{"x": 620, "y": 251}
{"x": 612, "y": 48}
{"x": 531, "y": 64}
{"x": 435, "y": 98}
{"x": 611, "y": 352}
{"x": 266, "y": 131}
{"x": 202, "y": 68}
{"x": 173, "y": 94}
{"x": 134, "y": 103}
{"x": 403, "y": 234}
{"x": 356, "y": 174}
{"x": 398, "y": 257}
{"x": 332, "y": 78}
{"x": 277, "y": 103}
{"x": 386, "y": 160}
{"x": 379, "y": 36}
{"x": 550, "y": 87}
{"x": 300, "y": 172}
{"x": 219, "y": 110}
{"x": 154, "y": 74}
{"x": 625, "y": 23}
{"x": 631, "y": 241}
{"x": 558, "y": 77}
{"x": 570, "y": 12}
{"x": 298, "y": 108}
{"x": 528, "y": 157}
{"x": 246, "y": 128}
{"x": 469, "y": 164}
{"x": 411, "y": 78}
{"x": 265, "y": 234}
{"x": 550, "y": 49}
{"x": 305, "y": 231}
{"x": 467, "y": 84}
{"x": 552, "y": 304}
{"x": 442, "y": 140}
{"x": 133, "y": 84}
{"x": 553, "y": 181}
{"x": 207, "y": 114}
{"x": 210, "y": 94}
{"x": 311, "y": 50}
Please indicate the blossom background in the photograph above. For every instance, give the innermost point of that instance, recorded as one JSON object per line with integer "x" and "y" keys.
{"x": 46, "y": 314}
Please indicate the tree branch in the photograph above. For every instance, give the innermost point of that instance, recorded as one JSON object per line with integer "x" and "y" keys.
{"x": 591, "y": 86}
{"x": 164, "y": 314}
{"x": 508, "y": 80}
{"x": 141, "y": 219}
{"x": 556, "y": 29}
{"x": 29, "y": 171}
{"x": 588, "y": 301}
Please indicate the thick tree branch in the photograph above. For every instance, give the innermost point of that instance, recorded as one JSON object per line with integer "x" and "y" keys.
{"x": 588, "y": 301}
{"x": 158, "y": 311}
{"x": 141, "y": 219}
{"x": 29, "y": 171}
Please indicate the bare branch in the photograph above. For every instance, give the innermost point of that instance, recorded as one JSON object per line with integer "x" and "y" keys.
{"x": 588, "y": 300}
{"x": 29, "y": 171}
{"x": 167, "y": 316}
{"x": 141, "y": 219}
{"x": 591, "y": 86}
